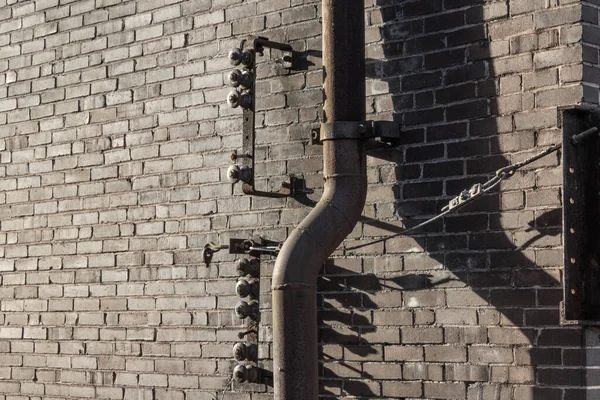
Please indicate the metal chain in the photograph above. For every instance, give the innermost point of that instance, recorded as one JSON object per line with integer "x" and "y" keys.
{"x": 468, "y": 196}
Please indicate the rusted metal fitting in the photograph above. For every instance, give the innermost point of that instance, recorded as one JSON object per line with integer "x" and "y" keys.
{"x": 239, "y": 99}
{"x": 210, "y": 248}
{"x": 244, "y": 79}
{"x": 245, "y": 288}
{"x": 248, "y": 267}
{"x": 243, "y": 334}
{"x": 244, "y": 310}
{"x": 243, "y": 351}
{"x": 238, "y": 56}
{"x": 236, "y": 173}
{"x": 235, "y": 56}
{"x": 245, "y": 373}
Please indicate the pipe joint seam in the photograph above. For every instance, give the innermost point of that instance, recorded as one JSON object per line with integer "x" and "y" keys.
{"x": 333, "y": 176}
{"x": 294, "y": 286}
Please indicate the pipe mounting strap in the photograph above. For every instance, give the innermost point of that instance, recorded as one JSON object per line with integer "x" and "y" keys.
{"x": 359, "y": 130}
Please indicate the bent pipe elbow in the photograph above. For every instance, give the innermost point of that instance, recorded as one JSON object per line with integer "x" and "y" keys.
{"x": 320, "y": 233}
{"x": 295, "y": 351}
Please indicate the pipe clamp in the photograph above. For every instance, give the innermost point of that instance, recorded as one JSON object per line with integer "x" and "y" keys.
{"x": 386, "y": 130}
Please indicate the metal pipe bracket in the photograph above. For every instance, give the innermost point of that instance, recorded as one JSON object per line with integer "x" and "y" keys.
{"x": 387, "y": 131}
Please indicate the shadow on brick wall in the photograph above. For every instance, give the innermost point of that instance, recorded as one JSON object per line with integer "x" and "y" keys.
{"x": 482, "y": 314}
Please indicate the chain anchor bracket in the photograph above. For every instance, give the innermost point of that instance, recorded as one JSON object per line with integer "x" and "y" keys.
{"x": 209, "y": 250}
{"x": 244, "y": 96}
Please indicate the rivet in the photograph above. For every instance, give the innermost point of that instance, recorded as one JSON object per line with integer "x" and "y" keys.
{"x": 572, "y": 230}
{"x": 573, "y": 291}
{"x": 572, "y": 200}
{"x": 573, "y": 261}
{"x": 572, "y": 170}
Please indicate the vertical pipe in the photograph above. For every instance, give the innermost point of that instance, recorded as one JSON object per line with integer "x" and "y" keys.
{"x": 333, "y": 218}
{"x": 344, "y": 59}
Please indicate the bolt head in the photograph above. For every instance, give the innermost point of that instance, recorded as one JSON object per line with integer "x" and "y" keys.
{"x": 246, "y": 80}
{"x": 245, "y": 100}
{"x": 251, "y": 373}
{"x": 235, "y": 78}
{"x": 247, "y": 58}
{"x": 233, "y": 99}
{"x": 242, "y": 310}
{"x": 235, "y": 57}
{"x": 248, "y": 267}
{"x": 240, "y": 374}
{"x": 243, "y": 288}
{"x": 240, "y": 351}
{"x": 233, "y": 174}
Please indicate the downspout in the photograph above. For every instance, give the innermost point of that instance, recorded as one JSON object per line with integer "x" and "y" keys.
{"x": 333, "y": 218}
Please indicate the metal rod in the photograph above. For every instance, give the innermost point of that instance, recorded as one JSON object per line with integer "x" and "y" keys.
{"x": 260, "y": 42}
{"x": 583, "y": 136}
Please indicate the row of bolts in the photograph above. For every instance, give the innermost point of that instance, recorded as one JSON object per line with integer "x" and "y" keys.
{"x": 247, "y": 287}
{"x": 242, "y": 80}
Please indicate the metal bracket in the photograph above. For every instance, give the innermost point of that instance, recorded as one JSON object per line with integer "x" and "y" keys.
{"x": 210, "y": 248}
{"x": 248, "y": 128}
{"x": 386, "y": 130}
{"x": 581, "y": 218}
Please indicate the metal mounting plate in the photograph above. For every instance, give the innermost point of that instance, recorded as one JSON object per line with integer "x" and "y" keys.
{"x": 581, "y": 220}
{"x": 249, "y": 130}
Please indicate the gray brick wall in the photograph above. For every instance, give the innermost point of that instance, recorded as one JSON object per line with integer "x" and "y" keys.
{"x": 114, "y": 142}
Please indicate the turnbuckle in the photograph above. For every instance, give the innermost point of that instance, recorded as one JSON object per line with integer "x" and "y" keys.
{"x": 464, "y": 196}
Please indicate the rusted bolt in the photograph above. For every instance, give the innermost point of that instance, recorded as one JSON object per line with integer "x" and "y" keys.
{"x": 245, "y": 373}
{"x": 236, "y": 173}
{"x": 235, "y": 78}
{"x": 235, "y": 57}
{"x": 246, "y": 100}
{"x": 244, "y": 310}
{"x": 242, "y": 335}
{"x": 233, "y": 99}
{"x": 245, "y": 288}
{"x": 247, "y": 58}
{"x": 248, "y": 267}
{"x": 243, "y": 351}
{"x": 246, "y": 80}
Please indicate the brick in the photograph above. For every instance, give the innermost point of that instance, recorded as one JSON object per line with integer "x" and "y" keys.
{"x": 446, "y": 390}
{"x": 115, "y": 140}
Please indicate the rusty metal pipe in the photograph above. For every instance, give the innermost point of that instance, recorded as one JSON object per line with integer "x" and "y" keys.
{"x": 334, "y": 217}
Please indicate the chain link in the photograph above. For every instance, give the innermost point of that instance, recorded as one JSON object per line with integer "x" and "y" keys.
{"x": 468, "y": 196}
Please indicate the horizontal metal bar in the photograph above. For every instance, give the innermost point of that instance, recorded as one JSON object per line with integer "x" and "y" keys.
{"x": 263, "y": 42}
{"x": 583, "y": 136}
